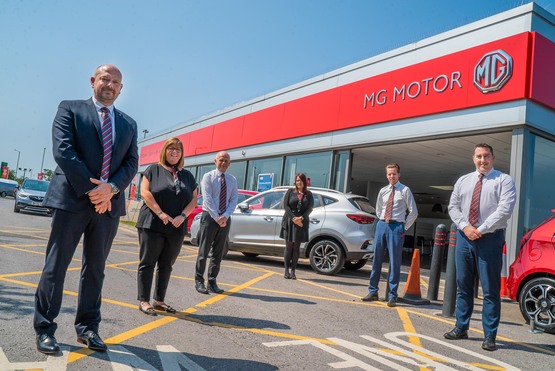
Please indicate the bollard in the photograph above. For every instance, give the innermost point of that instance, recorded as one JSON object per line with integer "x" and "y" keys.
{"x": 450, "y": 295}
{"x": 437, "y": 260}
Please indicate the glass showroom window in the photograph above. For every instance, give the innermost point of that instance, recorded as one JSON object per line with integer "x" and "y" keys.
{"x": 540, "y": 178}
{"x": 315, "y": 166}
{"x": 263, "y": 166}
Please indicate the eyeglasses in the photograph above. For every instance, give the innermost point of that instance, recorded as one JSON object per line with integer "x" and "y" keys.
{"x": 173, "y": 149}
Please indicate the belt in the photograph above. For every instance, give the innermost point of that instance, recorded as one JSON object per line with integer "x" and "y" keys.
{"x": 390, "y": 222}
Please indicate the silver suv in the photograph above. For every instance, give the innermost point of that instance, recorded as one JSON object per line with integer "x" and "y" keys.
{"x": 31, "y": 196}
{"x": 340, "y": 235}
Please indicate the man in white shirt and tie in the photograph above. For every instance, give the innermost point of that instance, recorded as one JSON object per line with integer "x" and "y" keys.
{"x": 481, "y": 204}
{"x": 396, "y": 209}
{"x": 219, "y": 192}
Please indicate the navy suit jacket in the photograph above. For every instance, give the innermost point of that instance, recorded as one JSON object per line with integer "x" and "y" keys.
{"x": 77, "y": 149}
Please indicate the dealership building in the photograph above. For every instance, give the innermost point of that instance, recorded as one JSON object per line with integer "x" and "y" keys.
{"x": 424, "y": 106}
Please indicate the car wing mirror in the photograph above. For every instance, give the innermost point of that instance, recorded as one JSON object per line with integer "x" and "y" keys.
{"x": 243, "y": 206}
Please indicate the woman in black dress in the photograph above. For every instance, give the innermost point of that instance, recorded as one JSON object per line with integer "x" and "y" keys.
{"x": 298, "y": 203}
{"x": 170, "y": 194}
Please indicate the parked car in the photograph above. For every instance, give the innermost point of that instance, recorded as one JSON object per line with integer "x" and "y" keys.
{"x": 340, "y": 235}
{"x": 8, "y": 187}
{"x": 243, "y": 195}
{"x": 531, "y": 279}
{"x": 31, "y": 196}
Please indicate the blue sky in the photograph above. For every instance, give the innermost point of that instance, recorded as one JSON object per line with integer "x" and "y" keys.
{"x": 182, "y": 59}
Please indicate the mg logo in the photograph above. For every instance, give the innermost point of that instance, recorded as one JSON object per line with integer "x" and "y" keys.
{"x": 493, "y": 71}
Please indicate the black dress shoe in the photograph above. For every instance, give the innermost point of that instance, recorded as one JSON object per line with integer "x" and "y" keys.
{"x": 293, "y": 276}
{"x": 456, "y": 334}
{"x": 47, "y": 344}
{"x": 392, "y": 302}
{"x": 489, "y": 344}
{"x": 199, "y": 286}
{"x": 287, "y": 275}
{"x": 92, "y": 340}
{"x": 370, "y": 297}
{"x": 213, "y": 286}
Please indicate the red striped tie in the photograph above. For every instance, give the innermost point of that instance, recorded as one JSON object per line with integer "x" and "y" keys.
{"x": 223, "y": 195}
{"x": 106, "y": 143}
{"x": 474, "y": 212}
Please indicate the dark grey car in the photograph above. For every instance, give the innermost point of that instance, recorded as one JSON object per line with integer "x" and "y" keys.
{"x": 340, "y": 235}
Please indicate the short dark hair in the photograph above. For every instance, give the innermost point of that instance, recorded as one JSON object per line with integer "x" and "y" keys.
{"x": 484, "y": 145}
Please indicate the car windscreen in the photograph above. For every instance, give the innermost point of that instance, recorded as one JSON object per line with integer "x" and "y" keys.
{"x": 36, "y": 185}
{"x": 363, "y": 204}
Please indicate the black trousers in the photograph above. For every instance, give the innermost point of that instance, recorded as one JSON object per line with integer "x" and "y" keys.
{"x": 98, "y": 231}
{"x": 212, "y": 238}
{"x": 157, "y": 250}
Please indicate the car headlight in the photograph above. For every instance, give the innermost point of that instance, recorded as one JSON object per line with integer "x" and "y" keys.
{"x": 197, "y": 217}
{"x": 22, "y": 194}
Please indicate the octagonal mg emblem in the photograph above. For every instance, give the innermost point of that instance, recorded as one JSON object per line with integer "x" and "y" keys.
{"x": 493, "y": 71}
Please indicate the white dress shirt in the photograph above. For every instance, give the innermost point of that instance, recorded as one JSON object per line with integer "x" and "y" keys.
{"x": 403, "y": 202}
{"x": 497, "y": 200}
{"x": 211, "y": 184}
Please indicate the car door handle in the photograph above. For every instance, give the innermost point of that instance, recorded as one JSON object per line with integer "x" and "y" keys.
{"x": 268, "y": 218}
{"x": 315, "y": 221}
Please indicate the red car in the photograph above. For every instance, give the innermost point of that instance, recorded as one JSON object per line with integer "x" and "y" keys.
{"x": 531, "y": 279}
{"x": 243, "y": 195}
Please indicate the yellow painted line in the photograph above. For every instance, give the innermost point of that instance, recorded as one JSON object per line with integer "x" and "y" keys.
{"x": 24, "y": 234}
{"x": 74, "y": 356}
{"x": 24, "y": 250}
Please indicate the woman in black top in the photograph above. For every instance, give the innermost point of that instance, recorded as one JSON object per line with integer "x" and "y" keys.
{"x": 298, "y": 203}
{"x": 170, "y": 194}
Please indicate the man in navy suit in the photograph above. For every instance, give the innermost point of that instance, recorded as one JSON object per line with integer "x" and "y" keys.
{"x": 95, "y": 147}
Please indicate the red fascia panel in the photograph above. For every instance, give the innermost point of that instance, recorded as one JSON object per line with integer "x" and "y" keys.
{"x": 409, "y": 92}
{"x": 404, "y": 93}
{"x": 263, "y": 126}
{"x": 542, "y": 79}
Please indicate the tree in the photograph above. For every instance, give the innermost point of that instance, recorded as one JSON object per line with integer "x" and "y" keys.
{"x": 47, "y": 174}
{"x": 11, "y": 175}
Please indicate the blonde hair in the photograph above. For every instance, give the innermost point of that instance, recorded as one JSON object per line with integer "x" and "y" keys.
{"x": 163, "y": 158}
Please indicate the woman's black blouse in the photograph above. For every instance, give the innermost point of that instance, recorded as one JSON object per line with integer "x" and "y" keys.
{"x": 296, "y": 207}
{"x": 172, "y": 195}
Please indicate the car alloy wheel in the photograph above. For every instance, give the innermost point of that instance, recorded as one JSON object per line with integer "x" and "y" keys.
{"x": 537, "y": 302}
{"x": 327, "y": 257}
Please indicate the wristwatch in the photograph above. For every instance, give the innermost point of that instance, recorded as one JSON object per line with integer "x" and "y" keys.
{"x": 183, "y": 215}
{"x": 115, "y": 189}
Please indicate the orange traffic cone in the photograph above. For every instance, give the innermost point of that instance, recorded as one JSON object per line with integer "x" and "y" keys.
{"x": 412, "y": 288}
{"x": 503, "y": 292}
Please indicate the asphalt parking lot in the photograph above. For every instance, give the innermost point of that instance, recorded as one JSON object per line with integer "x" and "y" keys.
{"x": 261, "y": 322}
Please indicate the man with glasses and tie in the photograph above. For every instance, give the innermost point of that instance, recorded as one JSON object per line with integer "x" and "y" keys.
{"x": 480, "y": 206}
{"x": 396, "y": 209}
{"x": 219, "y": 192}
{"x": 95, "y": 148}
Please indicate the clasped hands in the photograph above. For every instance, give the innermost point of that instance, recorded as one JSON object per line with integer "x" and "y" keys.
{"x": 222, "y": 221}
{"x": 100, "y": 196}
{"x": 472, "y": 232}
{"x": 176, "y": 222}
{"x": 298, "y": 220}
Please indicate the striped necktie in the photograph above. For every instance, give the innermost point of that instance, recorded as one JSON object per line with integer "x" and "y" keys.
{"x": 389, "y": 206}
{"x": 223, "y": 194}
{"x": 106, "y": 143}
{"x": 474, "y": 211}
